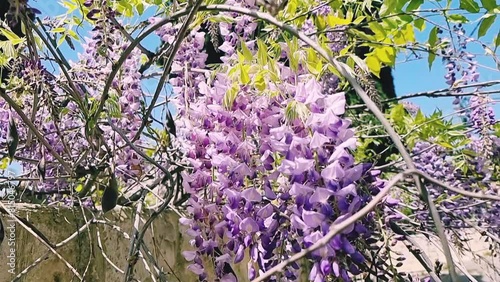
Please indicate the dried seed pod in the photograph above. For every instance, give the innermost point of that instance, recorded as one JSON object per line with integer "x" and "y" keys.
{"x": 110, "y": 196}
{"x": 12, "y": 138}
{"x": 41, "y": 167}
{"x": 2, "y": 232}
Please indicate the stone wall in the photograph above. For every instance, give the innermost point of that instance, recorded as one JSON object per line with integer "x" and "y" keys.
{"x": 164, "y": 239}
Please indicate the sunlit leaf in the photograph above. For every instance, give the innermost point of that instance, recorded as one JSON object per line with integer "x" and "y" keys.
{"x": 419, "y": 24}
{"x": 489, "y": 4}
{"x": 457, "y": 18}
{"x": 414, "y": 4}
{"x": 470, "y": 6}
{"x": 486, "y": 23}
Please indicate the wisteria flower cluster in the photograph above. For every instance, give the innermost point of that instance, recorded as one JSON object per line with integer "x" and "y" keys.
{"x": 270, "y": 173}
{"x": 254, "y": 173}
{"x": 461, "y": 65}
{"x": 436, "y": 161}
{"x": 59, "y": 117}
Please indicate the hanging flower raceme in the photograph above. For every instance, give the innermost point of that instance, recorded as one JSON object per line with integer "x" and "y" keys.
{"x": 435, "y": 161}
{"x": 272, "y": 186}
{"x": 271, "y": 169}
{"x": 59, "y": 115}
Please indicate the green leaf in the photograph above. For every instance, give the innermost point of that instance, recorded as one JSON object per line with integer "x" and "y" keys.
{"x": 414, "y": 4}
{"x": 58, "y": 30}
{"x": 262, "y": 55}
{"x": 11, "y": 36}
{"x": 61, "y": 40}
{"x": 244, "y": 77}
{"x": 489, "y": 4}
{"x": 432, "y": 43}
{"x": 419, "y": 24}
{"x": 4, "y": 163}
{"x": 446, "y": 145}
{"x": 246, "y": 52}
{"x": 140, "y": 8}
{"x": 260, "y": 83}
{"x": 419, "y": 117}
{"x": 457, "y": 18}
{"x": 485, "y": 25}
{"x": 378, "y": 29}
{"x": 497, "y": 40}
{"x": 374, "y": 65}
{"x": 470, "y": 6}
{"x": 397, "y": 113}
{"x": 230, "y": 96}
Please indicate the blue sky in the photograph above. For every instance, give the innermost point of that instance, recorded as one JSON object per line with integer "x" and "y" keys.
{"x": 414, "y": 76}
{"x": 410, "y": 77}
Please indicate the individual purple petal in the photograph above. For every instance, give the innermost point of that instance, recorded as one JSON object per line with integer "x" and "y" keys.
{"x": 313, "y": 219}
{"x": 233, "y": 197}
{"x": 223, "y": 258}
{"x": 353, "y": 269}
{"x": 315, "y": 270}
{"x": 185, "y": 221}
{"x": 326, "y": 267}
{"x": 189, "y": 255}
{"x": 249, "y": 225}
{"x": 312, "y": 238}
{"x": 355, "y": 205}
{"x": 271, "y": 224}
{"x": 251, "y": 271}
{"x": 313, "y": 91}
{"x": 347, "y": 246}
{"x": 196, "y": 268}
{"x": 335, "y": 269}
{"x": 220, "y": 228}
{"x": 298, "y": 166}
{"x": 266, "y": 211}
{"x": 229, "y": 278}
{"x": 341, "y": 219}
{"x": 297, "y": 223}
{"x": 391, "y": 202}
{"x": 320, "y": 195}
{"x": 193, "y": 233}
{"x": 251, "y": 195}
{"x": 354, "y": 173}
{"x": 233, "y": 217}
{"x": 336, "y": 103}
{"x": 348, "y": 190}
{"x": 247, "y": 240}
{"x": 336, "y": 242}
{"x": 268, "y": 192}
{"x": 357, "y": 257}
{"x": 333, "y": 171}
{"x": 318, "y": 140}
{"x": 299, "y": 189}
{"x": 241, "y": 171}
{"x": 240, "y": 254}
{"x": 303, "y": 165}
{"x": 254, "y": 251}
